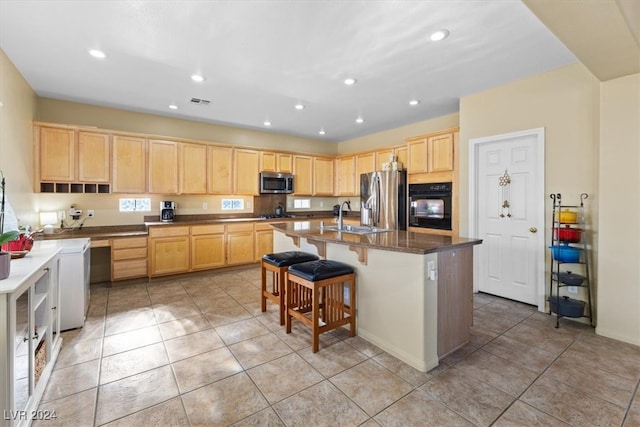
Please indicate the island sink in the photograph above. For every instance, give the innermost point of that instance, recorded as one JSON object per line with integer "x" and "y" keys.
{"x": 355, "y": 229}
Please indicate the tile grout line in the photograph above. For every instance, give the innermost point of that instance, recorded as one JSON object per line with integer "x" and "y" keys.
{"x": 627, "y": 413}
{"x": 338, "y": 338}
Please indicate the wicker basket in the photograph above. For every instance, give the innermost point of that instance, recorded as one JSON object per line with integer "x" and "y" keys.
{"x": 40, "y": 359}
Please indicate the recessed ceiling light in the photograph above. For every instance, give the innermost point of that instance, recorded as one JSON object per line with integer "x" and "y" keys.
{"x": 321, "y": 132}
{"x": 267, "y": 123}
{"x": 173, "y": 107}
{"x": 97, "y": 53}
{"x": 439, "y": 35}
{"x": 197, "y": 78}
{"x": 359, "y": 120}
{"x": 350, "y": 81}
{"x": 414, "y": 102}
{"x": 299, "y": 107}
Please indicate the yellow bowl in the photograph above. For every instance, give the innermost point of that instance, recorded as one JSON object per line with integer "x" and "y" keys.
{"x": 568, "y": 216}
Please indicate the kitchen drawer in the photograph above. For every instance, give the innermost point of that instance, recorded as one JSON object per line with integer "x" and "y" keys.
{"x": 130, "y": 253}
{"x": 198, "y": 230}
{"x": 129, "y": 269}
{"x": 129, "y": 242}
{"x": 247, "y": 226}
{"x": 168, "y": 231}
{"x": 103, "y": 243}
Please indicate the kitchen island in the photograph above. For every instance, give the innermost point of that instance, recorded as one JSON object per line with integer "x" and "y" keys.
{"x": 414, "y": 292}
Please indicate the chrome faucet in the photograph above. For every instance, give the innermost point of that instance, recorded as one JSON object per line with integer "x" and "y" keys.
{"x": 340, "y": 213}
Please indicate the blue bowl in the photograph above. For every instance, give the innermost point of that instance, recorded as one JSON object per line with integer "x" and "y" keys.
{"x": 565, "y": 253}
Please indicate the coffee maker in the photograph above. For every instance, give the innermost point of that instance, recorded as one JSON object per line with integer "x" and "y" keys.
{"x": 167, "y": 211}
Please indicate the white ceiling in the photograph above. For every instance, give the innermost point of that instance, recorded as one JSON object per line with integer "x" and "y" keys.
{"x": 260, "y": 58}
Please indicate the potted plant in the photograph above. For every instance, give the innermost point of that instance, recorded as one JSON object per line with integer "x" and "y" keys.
{"x": 5, "y": 257}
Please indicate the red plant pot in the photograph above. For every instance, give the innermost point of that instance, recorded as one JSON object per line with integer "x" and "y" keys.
{"x": 22, "y": 244}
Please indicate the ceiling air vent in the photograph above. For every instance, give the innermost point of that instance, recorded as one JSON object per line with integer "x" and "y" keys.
{"x": 200, "y": 101}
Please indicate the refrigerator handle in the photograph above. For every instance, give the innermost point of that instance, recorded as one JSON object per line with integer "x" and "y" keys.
{"x": 377, "y": 219}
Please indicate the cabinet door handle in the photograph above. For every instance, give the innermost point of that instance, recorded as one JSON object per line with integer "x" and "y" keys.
{"x": 533, "y": 230}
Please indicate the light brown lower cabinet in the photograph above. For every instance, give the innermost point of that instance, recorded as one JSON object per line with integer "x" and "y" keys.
{"x": 240, "y": 242}
{"x": 207, "y": 246}
{"x": 264, "y": 241}
{"x": 169, "y": 250}
{"x": 128, "y": 258}
{"x": 180, "y": 249}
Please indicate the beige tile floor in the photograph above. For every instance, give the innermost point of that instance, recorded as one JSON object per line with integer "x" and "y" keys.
{"x": 197, "y": 351}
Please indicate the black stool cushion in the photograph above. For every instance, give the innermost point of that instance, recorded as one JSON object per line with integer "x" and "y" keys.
{"x": 284, "y": 259}
{"x": 320, "y": 269}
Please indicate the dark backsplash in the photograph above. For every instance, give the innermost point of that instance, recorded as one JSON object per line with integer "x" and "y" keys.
{"x": 266, "y": 204}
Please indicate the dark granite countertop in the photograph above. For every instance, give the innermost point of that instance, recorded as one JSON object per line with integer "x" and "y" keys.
{"x": 142, "y": 230}
{"x": 397, "y": 241}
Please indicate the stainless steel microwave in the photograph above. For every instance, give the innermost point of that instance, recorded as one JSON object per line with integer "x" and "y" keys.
{"x": 278, "y": 183}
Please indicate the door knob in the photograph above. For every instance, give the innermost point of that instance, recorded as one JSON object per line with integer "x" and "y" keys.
{"x": 533, "y": 230}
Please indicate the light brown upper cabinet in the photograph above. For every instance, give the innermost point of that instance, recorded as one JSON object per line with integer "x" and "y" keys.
{"x": 303, "y": 171}
{"x": 440, "y": 153}
{"x": 417, "y": 153}
{"x": 382, "y": 156}
{"x": 401, "y": 154}
{"x": 365, "y": 163}
{"x": 192, "y": 168}
{"x": 346, "y": 167}
{"x": 57, "y": 154}
{"x": 322, "y": 176}
{"x": 129, "y": 165}
{"x": 284, "y": 162}
{"x": 67, "y": 155}
{"x": 430, "y": 154}
{"x": 163, "y": 167}
{"x": 246, "y": 169}
{"x": 94, "y": 152}
{"x": 220, "y": 179}
{"x": 275, "y": 162}
{"x": 268, "y": 162}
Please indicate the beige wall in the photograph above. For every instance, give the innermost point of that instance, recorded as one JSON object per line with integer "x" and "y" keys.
{"x": 396, "y": 136}
{"x": 73, "y": 113}
{"x": 592, "y": 145}
{"x": 565, "y": 102}
{"x": 619, "y": 237}
{"x": 16, "y": 139}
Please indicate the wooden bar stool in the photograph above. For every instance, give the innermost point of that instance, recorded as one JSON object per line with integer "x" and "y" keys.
{"x": 315, "y": 295}
{"x": 278, "y": 264}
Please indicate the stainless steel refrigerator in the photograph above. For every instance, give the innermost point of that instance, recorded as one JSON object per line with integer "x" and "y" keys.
{"x": 383, "y": 200}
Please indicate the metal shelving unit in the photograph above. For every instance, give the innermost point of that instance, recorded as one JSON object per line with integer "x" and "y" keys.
{"x": 569, "y": 251}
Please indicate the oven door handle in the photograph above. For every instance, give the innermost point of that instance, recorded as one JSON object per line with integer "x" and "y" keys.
{"x": 428, "y": 196}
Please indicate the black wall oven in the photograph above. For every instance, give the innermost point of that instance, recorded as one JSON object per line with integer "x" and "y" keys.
{"x": 430, "y": 205}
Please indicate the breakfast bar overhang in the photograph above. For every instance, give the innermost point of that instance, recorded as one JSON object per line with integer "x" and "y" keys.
{"x": 415, "y": 290}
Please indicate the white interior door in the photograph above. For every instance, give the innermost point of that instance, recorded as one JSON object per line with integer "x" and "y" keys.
{"x": 507, "y": 212}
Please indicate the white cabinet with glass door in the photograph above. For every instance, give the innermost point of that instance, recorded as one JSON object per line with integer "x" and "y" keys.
{"x": 30, "y": 333}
